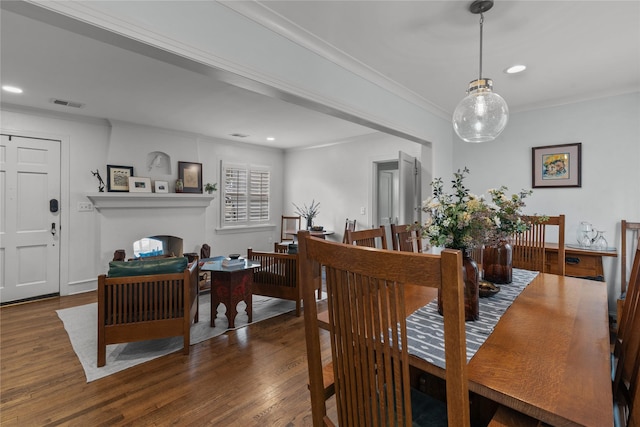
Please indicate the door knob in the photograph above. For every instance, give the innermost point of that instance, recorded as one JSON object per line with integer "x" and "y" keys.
{"x": 53, "y": 228}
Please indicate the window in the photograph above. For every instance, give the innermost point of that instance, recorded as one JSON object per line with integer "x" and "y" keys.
{"x": 246, "y": 194}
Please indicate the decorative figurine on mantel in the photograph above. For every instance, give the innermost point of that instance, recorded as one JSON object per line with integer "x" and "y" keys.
{"x": 100, "y": 181}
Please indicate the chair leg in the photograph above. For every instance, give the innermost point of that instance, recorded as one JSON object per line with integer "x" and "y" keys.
{"x": 102, "y": 351}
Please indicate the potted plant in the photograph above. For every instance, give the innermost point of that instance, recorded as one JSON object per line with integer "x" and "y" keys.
{"x": 308, "y": 212}
{"x": 210, "y": 188}
{"x": 460, "y": 220}
{"x": 507, "y": 219}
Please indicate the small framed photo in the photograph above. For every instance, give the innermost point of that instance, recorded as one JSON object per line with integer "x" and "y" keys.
{"x": 557, "y": 166}
{"x": 191, "y": 176}
{"x": 139, "y": 185}
{"x": 161, "y": 186}
{"x": 118, "y": 177}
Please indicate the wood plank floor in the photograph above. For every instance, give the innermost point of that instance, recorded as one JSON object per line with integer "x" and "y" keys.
{"x": 255, "y": 376}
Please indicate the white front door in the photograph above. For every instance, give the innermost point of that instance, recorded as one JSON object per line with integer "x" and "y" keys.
{"x": 29, "y": 220}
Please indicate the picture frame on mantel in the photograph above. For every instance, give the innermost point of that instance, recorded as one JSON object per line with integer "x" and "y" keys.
{"x": 139, "y": 184}
{"x": 191, "y": 175}
{"x": 557, "y": 166}
{"x": 161, "y": 186}
{"x": 118, "y": 178}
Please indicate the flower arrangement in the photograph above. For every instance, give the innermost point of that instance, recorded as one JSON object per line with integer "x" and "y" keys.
{"x": 308, "y": 212}
{"x": 460, "y": 220}
{"x": 463, "y": 220}
{"x": 507, "y": 214}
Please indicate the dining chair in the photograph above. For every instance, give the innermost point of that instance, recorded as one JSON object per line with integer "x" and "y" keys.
{"x": 371, "y": 237}
{"x": 529, "y": 247}
{"x": 289, "y": 225}
{"x": 205, "y": 276}
{"x": 625, "y": 228}
{"x": 404, "y": 239}
{"x": 367, "y": 329}
{"x": 626, "y": 352}
{"x": 349, "y": 225}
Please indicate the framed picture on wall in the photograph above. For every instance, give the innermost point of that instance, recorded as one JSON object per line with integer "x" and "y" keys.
{"x": 139, "y": 185}
{"x": 191, "y": 176}
{"x": 557, "y": 166}
{"x": 118, "y": 177}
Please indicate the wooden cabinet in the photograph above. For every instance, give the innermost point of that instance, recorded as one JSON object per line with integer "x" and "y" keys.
{"x": 578, "y": 262}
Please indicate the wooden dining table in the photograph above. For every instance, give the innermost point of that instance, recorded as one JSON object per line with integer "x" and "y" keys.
{"x": 548, "y": 356}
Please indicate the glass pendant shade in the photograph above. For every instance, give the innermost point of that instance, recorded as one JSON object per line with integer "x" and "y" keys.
{"x": 482, "y": 115}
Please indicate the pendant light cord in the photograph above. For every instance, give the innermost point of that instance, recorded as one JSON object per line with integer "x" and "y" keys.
{"x": 481, "y": 25}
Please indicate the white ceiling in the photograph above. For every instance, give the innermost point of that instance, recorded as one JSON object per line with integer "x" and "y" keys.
{"x": 574, "y": 50}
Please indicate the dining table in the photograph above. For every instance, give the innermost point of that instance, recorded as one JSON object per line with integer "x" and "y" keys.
{"x": 548, "y": 355}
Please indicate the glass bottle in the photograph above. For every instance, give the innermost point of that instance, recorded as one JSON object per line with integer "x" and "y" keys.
{"x": 497, "y": 263}
{"x": 471, "y": 277}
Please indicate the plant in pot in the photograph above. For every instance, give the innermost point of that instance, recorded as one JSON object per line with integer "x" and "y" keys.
{"x": 308, "y": 213}
{"x": 507, "y": 218}
{"x": 460, "y": 220}
{"x": 210, "y": 188}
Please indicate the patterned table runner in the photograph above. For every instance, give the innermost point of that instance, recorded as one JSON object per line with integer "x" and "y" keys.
{"x": 425, "y": 327}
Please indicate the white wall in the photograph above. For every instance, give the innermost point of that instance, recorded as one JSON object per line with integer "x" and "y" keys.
{"x": 340, "y": 177}
{"x": 609, "y": 130}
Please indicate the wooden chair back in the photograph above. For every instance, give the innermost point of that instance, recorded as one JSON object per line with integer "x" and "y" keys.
{"x": 529, "y": 247}
{"x": 372, "y": 238}
{"x": 476, "y": 254}
{"x": 289, "y": 225}
{"x": 367, "y": 327}
{"x": 280, "y": 248}
{"x": 625, "y": 228}
{"x": 627, "y": 344}
{"x": 404, "y": 239}
{"x": 349, "y": 225}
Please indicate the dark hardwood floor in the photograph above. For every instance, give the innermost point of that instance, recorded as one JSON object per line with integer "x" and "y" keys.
{"x": 255, "y": 376}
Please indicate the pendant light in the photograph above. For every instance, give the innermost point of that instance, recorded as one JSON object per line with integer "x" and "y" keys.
{"x": 482, "y": 115}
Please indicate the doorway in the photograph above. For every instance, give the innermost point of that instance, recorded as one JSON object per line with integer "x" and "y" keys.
{"x": 396, "y": 191}
{"x": 30, "y": 220}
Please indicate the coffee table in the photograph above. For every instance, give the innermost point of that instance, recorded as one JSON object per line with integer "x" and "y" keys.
{"x": 229, "y": 286}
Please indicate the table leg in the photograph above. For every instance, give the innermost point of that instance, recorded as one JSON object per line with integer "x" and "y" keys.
{"x": 229, "y": 288}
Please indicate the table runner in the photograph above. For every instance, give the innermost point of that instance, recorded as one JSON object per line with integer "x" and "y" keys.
{"x": 425, "y": 327}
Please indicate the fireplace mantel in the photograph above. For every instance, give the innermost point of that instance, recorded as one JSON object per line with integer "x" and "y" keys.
{"x": 103, "y": 201}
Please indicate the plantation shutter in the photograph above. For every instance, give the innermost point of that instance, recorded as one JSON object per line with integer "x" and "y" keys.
{"x": 259, "y": 195}
{"x": 246, "y": 191}
{"x": 235, "y": 195}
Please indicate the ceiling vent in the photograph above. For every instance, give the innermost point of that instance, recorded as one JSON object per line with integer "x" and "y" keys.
{"x": 239, "y": 135}
{"x": 72, "y": 104}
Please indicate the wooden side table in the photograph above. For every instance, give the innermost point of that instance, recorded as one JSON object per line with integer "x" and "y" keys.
{"x": 229, "y": 286}
{"x": 585, "y": 263}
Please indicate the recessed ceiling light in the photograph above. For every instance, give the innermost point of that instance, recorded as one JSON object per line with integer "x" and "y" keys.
{"x": 11, "y": 89}
{"x": 270, "y": 138}
{"x": 515, "y": 69}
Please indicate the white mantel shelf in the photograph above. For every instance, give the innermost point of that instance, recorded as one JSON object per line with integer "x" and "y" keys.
{"x": 114, "y": 200}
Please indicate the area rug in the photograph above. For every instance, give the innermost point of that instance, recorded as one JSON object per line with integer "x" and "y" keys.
{"x": 81, "y": 325}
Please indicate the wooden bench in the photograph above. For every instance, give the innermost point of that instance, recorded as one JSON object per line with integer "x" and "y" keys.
{"x": 144, "y": 300}
{"x": 278, "y": 276}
